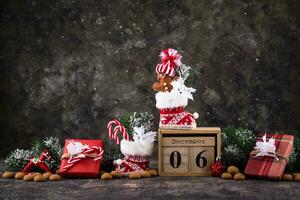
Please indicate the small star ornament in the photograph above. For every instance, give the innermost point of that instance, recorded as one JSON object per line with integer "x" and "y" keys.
{"x": 217, "y": 168}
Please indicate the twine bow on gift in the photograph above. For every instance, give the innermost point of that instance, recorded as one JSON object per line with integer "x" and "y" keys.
{"x": 38, "y": 162}
{"x": 95, "y": 152}
{"x": 267, "y": 148}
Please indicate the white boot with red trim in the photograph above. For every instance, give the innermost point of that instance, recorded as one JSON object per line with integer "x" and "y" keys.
{"x": 172, "y": 94}
{"x": 136, "y": 150}
{"x": 136, "y": 157}
{"x": 172, "y": 107}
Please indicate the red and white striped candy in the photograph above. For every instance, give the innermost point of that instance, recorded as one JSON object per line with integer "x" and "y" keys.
{"x": 113, "y": 132}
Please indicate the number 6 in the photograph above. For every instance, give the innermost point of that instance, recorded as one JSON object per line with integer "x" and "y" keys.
{"x": 199, "y": 158}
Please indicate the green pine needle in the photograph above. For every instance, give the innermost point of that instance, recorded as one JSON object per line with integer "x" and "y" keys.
{"x": 190, "y": 79}
{"x": 18, "y": 159}
{"x": 237, "y": 144}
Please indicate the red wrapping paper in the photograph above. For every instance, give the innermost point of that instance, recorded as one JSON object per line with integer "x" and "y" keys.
{"x": 86, "y": 167}
{"x": 268, "y": 167}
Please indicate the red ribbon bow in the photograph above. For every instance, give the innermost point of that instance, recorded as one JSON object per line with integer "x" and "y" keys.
{"x": 171, "y": 55}
{"x": 38, "y": 162}
{"x": 170, "y": 60}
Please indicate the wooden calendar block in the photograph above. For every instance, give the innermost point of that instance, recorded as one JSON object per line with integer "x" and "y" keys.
{"x": 188, "y": 152}
{"x": 200, "y": 159}
{"x": 175, "y": 159}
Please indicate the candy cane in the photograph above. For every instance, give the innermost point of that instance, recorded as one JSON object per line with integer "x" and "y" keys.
{"x": 113, "y": 132}
{"x": 109, "y": 127}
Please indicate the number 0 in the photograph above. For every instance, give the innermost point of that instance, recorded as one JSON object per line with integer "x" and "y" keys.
{"x": 175, "y": 159}
{"x": 199, "y": 159}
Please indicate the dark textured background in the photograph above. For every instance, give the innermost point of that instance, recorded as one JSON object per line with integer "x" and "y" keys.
{"x": 68, "y": 66}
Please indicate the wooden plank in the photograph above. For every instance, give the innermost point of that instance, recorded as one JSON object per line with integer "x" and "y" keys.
{"x": 188, "y": 141}
{"x": 159, "y": 151}
{"x": 184, "y": 174}
{"x": 206, "y": 130}
{"x": 219, "y": 144}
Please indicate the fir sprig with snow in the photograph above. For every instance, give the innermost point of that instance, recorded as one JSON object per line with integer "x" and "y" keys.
{"x": 141, "y": 119}
{"x": 237, "y": 144}
{"x": 184, "y": 71}
{"x": 18, "y": 159}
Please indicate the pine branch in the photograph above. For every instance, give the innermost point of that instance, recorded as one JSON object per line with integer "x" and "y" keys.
{"x": 236, "y": 145}
{"x": 19, "y": 158}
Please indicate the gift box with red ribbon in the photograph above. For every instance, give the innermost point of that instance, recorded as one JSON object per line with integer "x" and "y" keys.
{"x": 270, "y": 156}
{"x": 81, "y": 158}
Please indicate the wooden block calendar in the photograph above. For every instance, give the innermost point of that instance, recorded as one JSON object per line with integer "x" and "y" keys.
{"x": 188, "y": 152}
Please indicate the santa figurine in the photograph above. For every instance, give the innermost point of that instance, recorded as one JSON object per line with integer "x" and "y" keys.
{"x": 172, "y": 93}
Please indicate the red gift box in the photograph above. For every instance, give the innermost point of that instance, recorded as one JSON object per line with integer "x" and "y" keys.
{"x": 81, "y": 158}
{"x": 269, "y": 167}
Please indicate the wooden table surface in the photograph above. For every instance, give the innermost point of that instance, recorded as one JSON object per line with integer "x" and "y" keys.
{"x": 150, "y": 188}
